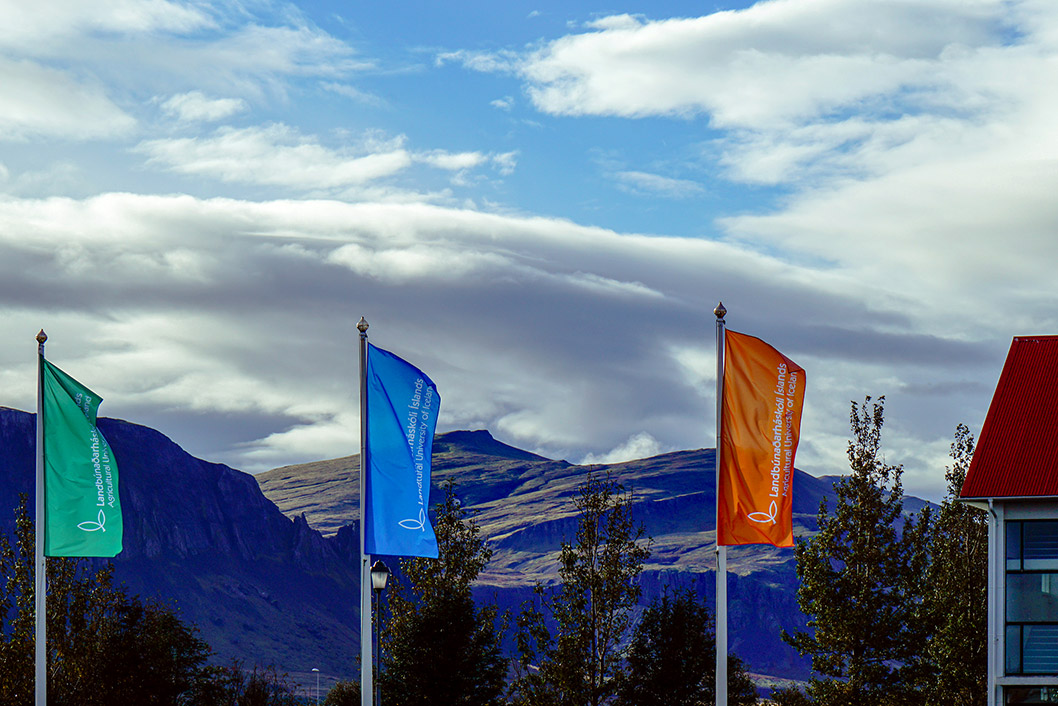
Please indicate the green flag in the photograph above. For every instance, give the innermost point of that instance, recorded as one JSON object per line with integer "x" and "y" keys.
{"x": 82, "y": 510}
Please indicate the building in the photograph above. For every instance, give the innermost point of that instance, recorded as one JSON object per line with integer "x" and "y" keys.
{"x": 1014, "y": 475}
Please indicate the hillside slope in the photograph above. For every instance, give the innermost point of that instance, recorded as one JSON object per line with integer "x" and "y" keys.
{"x": 524, "y": 504}
{"x": 261, "y": 587}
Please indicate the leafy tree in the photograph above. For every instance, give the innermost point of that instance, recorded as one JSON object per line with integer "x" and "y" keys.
{"x": 789, "y": 696}
{"x": 233, "y": 685}
{"x": 956, "y": 598}
{"x": 261, "y": 687}
{"x": 861, "y": 583}
{"x": 344, "y": 693}
{"x": 672, "y": 658}
{"x": 104, "y": 646}
{"x": 438, "y": 647}
{"x": 591, "y": 610}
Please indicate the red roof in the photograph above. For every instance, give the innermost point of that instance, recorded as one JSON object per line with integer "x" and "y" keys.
{"x": 1017, "y": 452}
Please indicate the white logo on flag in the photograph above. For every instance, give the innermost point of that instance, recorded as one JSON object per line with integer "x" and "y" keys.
{"x": 419, "y": 524}
{"x": 763, "y": 517}
{"x": 99, "y": 525}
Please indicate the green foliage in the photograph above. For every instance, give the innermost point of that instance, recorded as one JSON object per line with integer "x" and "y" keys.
{"x": 789, "y": 696}
{"x": 672, "y": 658}
{"x": 861, "y": 583}
{"x": 591, "y": 610}
{"x": 259, "y": 687}
{"x": 438, "y": 647}
{"x": 105, "y": 647}
{"x": 344, "y": 693}
{"x": 956, "y": 596}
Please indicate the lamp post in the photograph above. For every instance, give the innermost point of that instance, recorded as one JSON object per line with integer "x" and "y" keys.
{"x": 379, "y": 577}
{"x": 317, "y": 685}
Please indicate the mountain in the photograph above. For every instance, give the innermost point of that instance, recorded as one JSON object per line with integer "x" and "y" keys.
{"x": 524, "y": 504}
{"x": 261, "y": 586}
{"x": 265, "y": 566}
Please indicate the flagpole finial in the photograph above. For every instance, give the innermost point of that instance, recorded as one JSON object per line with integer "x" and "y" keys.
{"x": 720, "y": 311}
{"x": 42, "y": 337}
{"x": 362, "y": 325}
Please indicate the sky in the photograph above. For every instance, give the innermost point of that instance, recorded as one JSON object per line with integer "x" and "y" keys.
{"x": 539, "y": 204}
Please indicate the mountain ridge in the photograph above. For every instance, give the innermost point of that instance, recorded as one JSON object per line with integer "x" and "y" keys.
{"x": 265, "y": 566}
{"x": 260, "y": 587}
{"x": 525, "y": 507}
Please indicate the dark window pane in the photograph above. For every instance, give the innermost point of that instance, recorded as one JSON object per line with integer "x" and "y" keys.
{"x": 1039, "y": 649}
{"x": 1013, "y": 546}
{"x": 1013, "y": 649}
{"x": 1040, "y": 545}
{"x": 1030, "y": 695}
{"x": 1032, "y": 598}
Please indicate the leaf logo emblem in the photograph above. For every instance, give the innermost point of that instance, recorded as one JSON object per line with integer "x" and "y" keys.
{"x": 98, "y": 526}
{"x": 762, "y": 517}
{"x": 419, "y": 524}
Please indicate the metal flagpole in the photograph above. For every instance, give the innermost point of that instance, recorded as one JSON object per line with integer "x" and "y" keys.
{"x": 366, "y": 662}
{"x": 40, "y": 677}
{"x": 721, "y": 551}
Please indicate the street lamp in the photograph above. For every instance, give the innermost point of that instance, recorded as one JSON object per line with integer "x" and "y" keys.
{"x": 379, "y": 577}
{"x": 317, "y": 685}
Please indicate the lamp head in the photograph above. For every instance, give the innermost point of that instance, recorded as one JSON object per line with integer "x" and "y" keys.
{"x": 379, "y": 575}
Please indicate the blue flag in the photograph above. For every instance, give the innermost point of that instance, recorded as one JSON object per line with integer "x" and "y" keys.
{"x": 402, "y": 405}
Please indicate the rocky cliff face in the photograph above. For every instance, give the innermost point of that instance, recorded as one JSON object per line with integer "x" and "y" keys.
{"x": 261, "y": 587}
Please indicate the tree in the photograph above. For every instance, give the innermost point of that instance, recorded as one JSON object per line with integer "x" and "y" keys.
{"x": 956, "y": 598}
{"x": 438, "y": 647}
{"x": 234, "y": 685}
{"x": 672, "y": 658}
{"x": 261, "y": 687}
{"x": 861, "y": 582}
{"x": 344, "y": 693}
{"x": 591, "y": 610}
{"x": 104, "y": 646}
{"x": 789, "y": 696}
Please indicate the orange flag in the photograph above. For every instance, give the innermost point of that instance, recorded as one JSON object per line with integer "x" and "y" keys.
{"x": 760, "y": 424}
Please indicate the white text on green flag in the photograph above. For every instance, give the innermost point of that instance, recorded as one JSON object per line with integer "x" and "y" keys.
{"x": 82, "y": 509}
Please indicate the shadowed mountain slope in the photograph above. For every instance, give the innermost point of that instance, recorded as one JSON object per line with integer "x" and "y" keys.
{"x": 270, "y": 578}
{"x": 524, "y": 504}
{"x": 260, "y": 586}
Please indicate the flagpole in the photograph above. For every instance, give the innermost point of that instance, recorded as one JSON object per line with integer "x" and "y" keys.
{"x": 40, "y": 675}
{"x": 721, "y": 551}
{"x": 366, "y": 661}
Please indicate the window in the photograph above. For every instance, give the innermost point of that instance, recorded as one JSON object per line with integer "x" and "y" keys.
{"x": 1032, "y": 600}
{"x": 1031, "y": 695}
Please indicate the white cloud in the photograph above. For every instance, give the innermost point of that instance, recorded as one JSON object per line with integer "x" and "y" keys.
{"x": 640, "y": 445}
{"x": 194, "y": 106}
{"x": 506, "y": 162}
{"x": 36, "y": 101}
{"x": 344, "y": 89}
{"x": 655, "y": 184}
{"x": 616, "y": 22}
{"x": 418, "y": 263}
{"x": 478, "y": 300}
{"x": 489, "y": 62}
{"x": 505, "y": 103}
{"x": 175, "y": 48}
{"x": 278, "y": 155}
{"x": 912, "y": 145}
{"x": 41, "y": 27}
{"x": 273, "y": 155}
{"x": 773, "y": 62}
{"x": 451, "y": 161}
